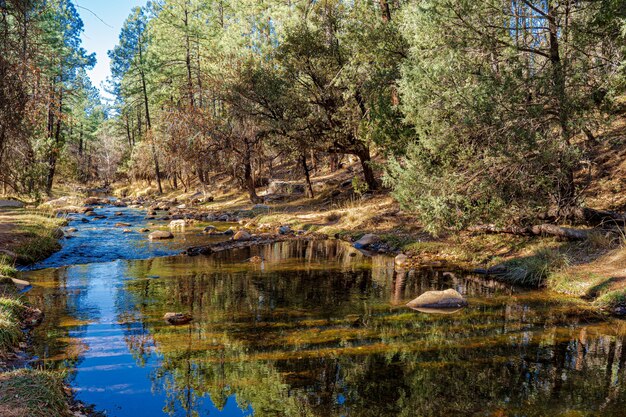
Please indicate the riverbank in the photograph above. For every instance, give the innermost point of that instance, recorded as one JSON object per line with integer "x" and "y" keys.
{"x": 26, "y": 236}
{"x": 593, "y": 270}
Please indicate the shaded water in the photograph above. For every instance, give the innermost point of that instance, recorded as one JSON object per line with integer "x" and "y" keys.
{"x": 316, "y": 331}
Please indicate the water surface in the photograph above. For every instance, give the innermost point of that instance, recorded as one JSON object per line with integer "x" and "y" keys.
{"x": 317, "y": 330}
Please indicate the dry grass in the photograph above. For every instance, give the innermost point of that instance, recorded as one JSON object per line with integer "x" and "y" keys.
{"x": 29, "y": 233}
{"x": 33, "y": 393}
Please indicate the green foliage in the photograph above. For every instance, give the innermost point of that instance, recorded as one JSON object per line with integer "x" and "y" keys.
{"x": 359, "y": 186}
{"x": 493, "y": 109}
{"x": 6, "y": 269}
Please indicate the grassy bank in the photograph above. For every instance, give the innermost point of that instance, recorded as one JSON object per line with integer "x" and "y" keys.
{"x": 33, "y": 393}
{"x": 25, "y": 236}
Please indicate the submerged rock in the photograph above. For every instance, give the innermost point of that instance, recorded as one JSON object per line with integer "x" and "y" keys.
{"x": 160, "y": 234}
{"x": 177, "y": 318}
{"x": 122, "y": 224}
{"x": 447, "y": 299}
{"x": 33, "y": 317}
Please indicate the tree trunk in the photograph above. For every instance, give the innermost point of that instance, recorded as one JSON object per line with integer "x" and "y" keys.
{"x": 368, "y": 172}
{"x": 130, "y": 139}
{"x": 188, "y": 58}
{"x": 567, "y": 188}
{"x": 307, "y": 175}
{"x": 248, "y": 178}
{"x": 157, "y": 171}
{"x": 386, "y": 12}
{"x": 54, "y": 153}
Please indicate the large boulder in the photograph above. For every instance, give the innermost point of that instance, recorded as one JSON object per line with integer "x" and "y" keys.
{"x": 446, "y": 299}
{"x": 366, "y": 241}
{"x": 242, "y": 235}
{"x": 11, "y": 204}
{"x": 160, "y": 234}
{"x": 177, "y": 318}
{"x": 284, "y": 187}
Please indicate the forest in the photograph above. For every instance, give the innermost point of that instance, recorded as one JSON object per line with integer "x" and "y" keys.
{"x": 468, "y": 111}
{"x": 312, "y": 208}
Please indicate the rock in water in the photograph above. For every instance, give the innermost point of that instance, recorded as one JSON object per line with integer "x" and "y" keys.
{"x": 284, "y": 230}
{"x": 401, "y": 261}
{"x": 366, "y": 241}
{"x": 175, "y": 224}
{"x": 449, "y": 298}
{"x": 242, "y": 235}
{"x": 20, "y": 284}
{"x": 209, "y": 230}
{"x": 177, "y": 318}
{"x": 161, "y": 234}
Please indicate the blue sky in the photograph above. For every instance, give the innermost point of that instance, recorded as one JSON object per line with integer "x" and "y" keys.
{"x": 102, "y": 32}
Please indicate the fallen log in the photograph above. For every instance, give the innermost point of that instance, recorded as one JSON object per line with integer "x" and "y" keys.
{"x": 587, "y": 216}
{"x": 537, "y": 230}
{"x": 255, "y": 240}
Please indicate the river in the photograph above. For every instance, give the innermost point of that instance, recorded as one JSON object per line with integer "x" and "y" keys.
{"x": 316, "y": 329}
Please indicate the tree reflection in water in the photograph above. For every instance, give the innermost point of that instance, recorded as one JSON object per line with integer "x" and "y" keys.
{"x": 317, "y": 332}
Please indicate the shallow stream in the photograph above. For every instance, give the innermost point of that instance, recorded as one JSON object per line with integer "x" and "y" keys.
{"x": 317, "y": 329}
